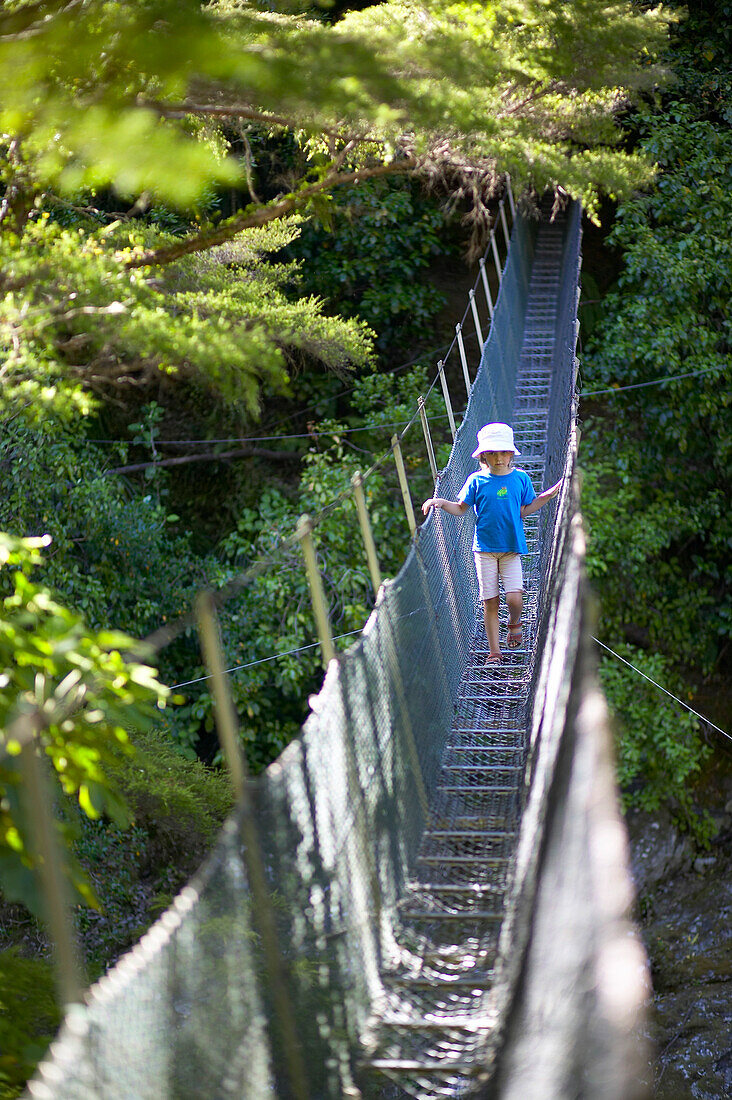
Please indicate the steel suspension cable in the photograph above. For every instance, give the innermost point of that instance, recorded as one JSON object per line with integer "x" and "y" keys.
{"x": 701, "y": 717}
{"x": 654, "y": 382}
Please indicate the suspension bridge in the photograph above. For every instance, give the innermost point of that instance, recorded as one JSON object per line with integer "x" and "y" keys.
{"x": 426, "y": 894}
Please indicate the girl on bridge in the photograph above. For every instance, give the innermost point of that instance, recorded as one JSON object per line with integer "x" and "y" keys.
{"x": 501, "y": 496}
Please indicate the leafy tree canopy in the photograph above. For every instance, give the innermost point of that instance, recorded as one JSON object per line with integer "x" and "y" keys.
{"x": 657, "y": 456}
{"x": 223, "y": 316}
{"x": 88, "y": 91}
{"x": 106, "y": 103}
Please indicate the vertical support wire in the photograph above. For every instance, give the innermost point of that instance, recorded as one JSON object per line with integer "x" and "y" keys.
{"x": 366, "y": 532}
{"x": 304, "y": 534}
{"x": 511, "y": 203}
{"x": 427, "y": 437}
{"x": 496, "y": 257}
{"x": 262, "y": 909}
{"x": 486, "y": 288}
{"x": 39, "y": 802}
{"x": 404, "y": 484}
{"x": 226, "y": 721}
{"x": 404, "y": 728}
{"x": 476, "y": 319}
{"x": 446, "y": 395}
{"x": 504, "y": 223}
{"x": 463, "y": 358}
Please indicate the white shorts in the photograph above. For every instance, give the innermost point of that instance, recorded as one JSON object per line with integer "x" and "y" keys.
{"x": 490, "y": 566}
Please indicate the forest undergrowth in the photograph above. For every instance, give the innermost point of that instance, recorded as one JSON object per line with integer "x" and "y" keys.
{"x": 174, "y": 480}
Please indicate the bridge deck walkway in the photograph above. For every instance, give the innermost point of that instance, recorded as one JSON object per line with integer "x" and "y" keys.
{"x": 438, "y": 1000}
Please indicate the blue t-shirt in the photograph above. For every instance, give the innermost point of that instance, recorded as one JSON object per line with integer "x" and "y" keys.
{"x": 497, "y": 501}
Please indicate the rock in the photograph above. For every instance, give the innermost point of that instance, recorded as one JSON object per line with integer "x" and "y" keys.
{"x": 657, "y": 849}
{"x": 704, "y": 863}
{"x": 723, "y": 1066}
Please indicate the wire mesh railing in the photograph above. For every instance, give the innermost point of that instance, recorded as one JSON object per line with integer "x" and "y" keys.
{"x": 196, "y": 1009}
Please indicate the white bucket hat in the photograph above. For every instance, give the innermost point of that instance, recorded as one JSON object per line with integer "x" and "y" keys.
{"x": 495, "y": 437}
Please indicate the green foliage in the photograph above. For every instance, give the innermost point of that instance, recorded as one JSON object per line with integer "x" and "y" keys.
{"x": 646, "y": 557}
{"x": 670, "y": 316}
{"x": 657, "y": 457}
{"x": 83, "y": 321}
{"x": 660, "y": 751}
{"x": 96, "y": 97}
{"x": 75, "y": 691}
{"x": 273, "y": 614}
{"x": 178, "y": 807}
{"x": 29, "y": 1018}
{"x": 523, "y": 82}
{"x": 115, "y": 556}
{"x": 656, "y": 493}
{"x": 180, "y": 803}
{"x": 527, "y": 86}
{"x": 369, "y": 262}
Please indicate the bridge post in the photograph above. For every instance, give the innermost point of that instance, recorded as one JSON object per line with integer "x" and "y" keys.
{"x": 304, "y": 534}
{"x": 504, "y": 223}
{"x": 446, "y": 395}
{"x": 463, "y": 357}
{"x": 511, "y": 203}
{"x": 366, "y": 533}
{"x": 496, "y": 257}
{"x": 476, "y": 318}
{"x": 427, "y": 437}
{"x": 225, "y": 716}
{"x": 39, "y": 801}
{"x": 486, "y": 288}
{"x": 262, "y": 909}
{"x": 403, "y": 484}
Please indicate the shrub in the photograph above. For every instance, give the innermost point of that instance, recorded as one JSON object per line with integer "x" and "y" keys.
{"x": 29, "y": 1018}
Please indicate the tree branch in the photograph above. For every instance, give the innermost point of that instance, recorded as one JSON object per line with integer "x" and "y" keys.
{"x": 252, "y": 219}
{"x": 180, "y": 110}
{"x": 245, "y": 111}
{"x": 30, "y": 21}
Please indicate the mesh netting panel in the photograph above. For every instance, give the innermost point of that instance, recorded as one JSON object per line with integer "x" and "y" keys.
{"x": 181, "y": 1014}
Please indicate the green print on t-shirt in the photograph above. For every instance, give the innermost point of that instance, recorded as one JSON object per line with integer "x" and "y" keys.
{"x": 502, "y": 492}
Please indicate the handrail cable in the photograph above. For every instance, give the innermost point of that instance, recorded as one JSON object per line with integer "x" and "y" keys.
{"x": 654, "y": 382}
{"x": 264, "y": 660}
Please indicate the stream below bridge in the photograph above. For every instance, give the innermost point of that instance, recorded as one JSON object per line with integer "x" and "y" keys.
{"x": 685, "y": 915}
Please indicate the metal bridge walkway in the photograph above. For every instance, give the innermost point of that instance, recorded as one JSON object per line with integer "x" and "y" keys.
{"x": 438, "y": 1001}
